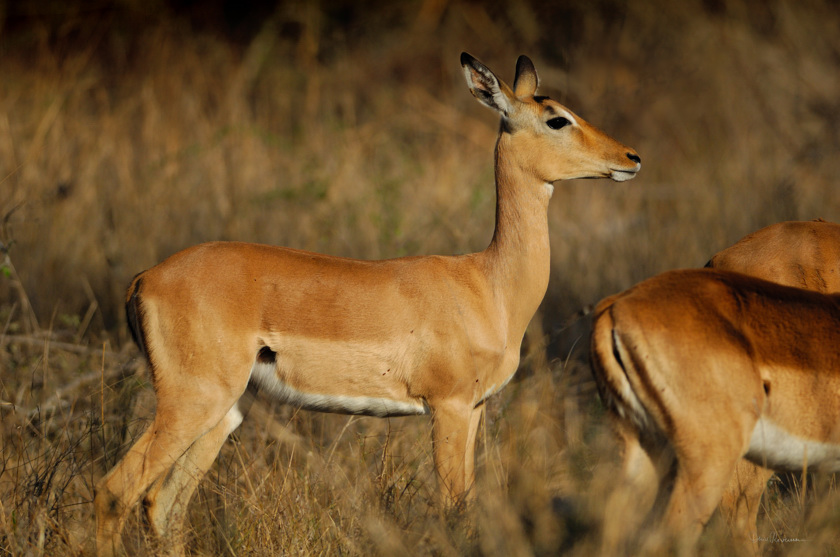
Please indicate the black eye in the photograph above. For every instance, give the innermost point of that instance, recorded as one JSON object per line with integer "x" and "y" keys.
{"x": 557, "y": 123}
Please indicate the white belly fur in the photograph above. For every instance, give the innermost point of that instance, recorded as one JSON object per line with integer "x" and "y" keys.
{"x": 773, "y": 447}
{"x": 265, "y": 376}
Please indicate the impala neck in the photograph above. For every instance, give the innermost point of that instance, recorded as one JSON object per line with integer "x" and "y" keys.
{"x": 519, "y": 253}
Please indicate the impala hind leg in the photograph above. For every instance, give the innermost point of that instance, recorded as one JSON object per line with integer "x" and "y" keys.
{"x": 630, "y": 501}
{"x": 741, "y": 502}
{"x": 694, "y": 498}
{"x": 690, "y": 494}
{"x": 172, "y": 432}
{"x": 167, "y": 500}
{"x": 454, "y": 428}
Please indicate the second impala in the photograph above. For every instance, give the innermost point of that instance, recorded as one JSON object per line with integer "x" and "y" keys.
{"x": 804, "y": 254}
{"x": 700, "y": 368}
{"x": 417, "y": 335}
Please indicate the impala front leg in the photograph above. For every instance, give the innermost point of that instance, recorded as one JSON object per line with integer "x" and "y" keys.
{"x": 454, "y": 425}
{"x": 469, "y": 456}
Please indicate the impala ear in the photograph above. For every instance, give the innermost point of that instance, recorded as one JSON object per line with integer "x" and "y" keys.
{"x": 485, "y": 86}
{"x": 527, "y": 81}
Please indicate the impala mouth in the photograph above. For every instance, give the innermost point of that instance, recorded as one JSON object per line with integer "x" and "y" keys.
{"x": 620, "y": 175}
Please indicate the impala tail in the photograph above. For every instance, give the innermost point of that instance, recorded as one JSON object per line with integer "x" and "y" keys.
{"x": 615, "y": 370}
{"x": 134, "y": 314}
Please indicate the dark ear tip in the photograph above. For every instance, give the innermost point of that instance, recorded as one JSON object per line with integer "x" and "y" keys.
{"x": 523, "y": 61}
{"x": 466, "y": 58}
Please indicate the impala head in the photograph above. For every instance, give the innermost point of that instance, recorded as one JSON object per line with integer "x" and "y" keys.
{"x": 551, "y": 141}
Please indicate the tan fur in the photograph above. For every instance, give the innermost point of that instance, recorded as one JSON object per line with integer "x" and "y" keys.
{"x": 801, "y": 254}
{"x": 420, "y": 334}
{"x": 689, "y": 362}
{"x": 805, "y": 254}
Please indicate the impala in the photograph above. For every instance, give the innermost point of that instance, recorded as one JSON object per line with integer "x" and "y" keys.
{"x": 417, "y": 335}
{"x": 701, "y": 368}
{"x": 801, "y": 254}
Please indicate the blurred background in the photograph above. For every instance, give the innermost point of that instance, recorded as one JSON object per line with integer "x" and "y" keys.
{"x": 131, "y": 129}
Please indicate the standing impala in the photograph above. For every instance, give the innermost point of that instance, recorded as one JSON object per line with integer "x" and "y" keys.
{"x": 701, "y": 368}
{"x": 804, "y": 254}
{"x": 417, "y": 335}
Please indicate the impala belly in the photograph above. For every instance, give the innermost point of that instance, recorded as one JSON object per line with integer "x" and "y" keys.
{"x": 336, "y": 376}
{"x": 774, "y": 447}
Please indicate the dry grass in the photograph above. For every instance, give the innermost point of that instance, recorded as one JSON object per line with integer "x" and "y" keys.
{"x": 126, "y": 134}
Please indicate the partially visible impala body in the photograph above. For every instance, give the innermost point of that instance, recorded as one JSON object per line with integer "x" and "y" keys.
{"x": 701, "y": 369}
{"x": 804, "y": 254}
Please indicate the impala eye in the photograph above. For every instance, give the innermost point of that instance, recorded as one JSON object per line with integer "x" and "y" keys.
{"x": 557, "y": 123}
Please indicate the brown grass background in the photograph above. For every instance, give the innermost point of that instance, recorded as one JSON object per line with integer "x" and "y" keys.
{"x": 130, "y": 130}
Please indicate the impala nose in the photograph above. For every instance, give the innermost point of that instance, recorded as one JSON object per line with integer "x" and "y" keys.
{"x": 635, "y": 158}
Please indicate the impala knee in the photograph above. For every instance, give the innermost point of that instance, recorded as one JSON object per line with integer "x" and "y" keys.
{"x": 149, "y": 507}
{"x": 109, "y": 515}
{"x": 106, "y": 504}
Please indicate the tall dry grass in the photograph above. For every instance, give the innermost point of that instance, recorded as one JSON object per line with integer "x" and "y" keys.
{"x": 128, "y": 132}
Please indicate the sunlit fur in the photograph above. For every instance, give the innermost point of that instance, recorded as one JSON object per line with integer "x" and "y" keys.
{"x": 431, "y": 334}
{"x": 724, "y": 366}
{"x": 804, "y": 254}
